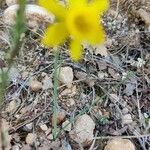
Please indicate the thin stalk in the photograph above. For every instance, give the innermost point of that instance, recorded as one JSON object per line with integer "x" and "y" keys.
{"x": 55, "y": 95}
{"x": 16, "y": 33}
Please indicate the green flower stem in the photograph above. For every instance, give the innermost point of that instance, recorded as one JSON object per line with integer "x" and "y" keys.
{"x": 17, "y": 31}
{"x": 55, "y": 95}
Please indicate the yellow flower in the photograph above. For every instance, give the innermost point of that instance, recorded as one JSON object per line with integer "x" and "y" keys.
{"x": 79, "y": 19}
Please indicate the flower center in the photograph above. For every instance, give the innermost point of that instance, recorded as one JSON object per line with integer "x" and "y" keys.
{"x": 82, "y": 24}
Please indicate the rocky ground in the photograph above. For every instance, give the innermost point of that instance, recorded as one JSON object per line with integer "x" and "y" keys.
{"x": 106, "y": 95}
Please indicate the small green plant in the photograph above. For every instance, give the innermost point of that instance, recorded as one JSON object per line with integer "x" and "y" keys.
{"x": 16, "y": 32}
{"x": 80, "y": 21}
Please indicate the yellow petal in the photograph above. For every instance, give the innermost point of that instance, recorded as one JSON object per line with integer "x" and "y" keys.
{"x": 80, "y": 22}
{"x": 54, "y": 7}
{"x": 76, "y": 50}
{"x": 83, "y": 24}
{"x": 97, "y": 36}
{"x": 76, "y": 3}
{"x": 100, "y": 5}
{"x": 55, "y": 35}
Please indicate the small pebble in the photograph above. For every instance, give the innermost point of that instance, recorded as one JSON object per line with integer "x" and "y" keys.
{"x": 47, "y": 83}
{"x": 29, "y": 126}
{"x": 30, "y": 138}
{"x": 25, "y": 75}
{"x": 66, "y": 75}
{"x": 125, "y": 110}
{"x": 70, "y": 102}
{"x": 44, "y": 127}
{"x": 83, "y": 130}
{"x": 145, "y": 16}
{"x": 36, "y": 16}
{"x": 119, "y": 144}
{"x": 15, "y": 147}
{"x": 50, "y": 137}
{"x": 127, "y": 119}
{"x": 26, "y": 147}
{"x": 11, "y": 2}
{"x": 48, "y": 131}
{"x": 101, "y": 49}
{"x": 66, "y": 125}
{"x": 35, "y": 85}
{"x": 11, "y": 106}
{"x": 101, "y": 75}
{"x": 14, "y": 74}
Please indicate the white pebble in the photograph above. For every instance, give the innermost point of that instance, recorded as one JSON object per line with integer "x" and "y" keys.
{"x": 66, "y": 75}
{"x": 15, "y": 147}
{"x": 11, "y": 106}
{"x": 101, "y": 75}
{"x": 119, "y": 144}
{"x": 35, "y": 15}
{"x": 66, "y": 125}
{"x": 125, "y": 110}
{"x": 44, "y": 127}
{"x": 47, "y": 83}
{"x": 50, "y": 137}
{"x": 35, "y": 85}
{"x": 127, "y": 119}
{"x": 29, "y": 126}
{"x": 11, "y": 2}
{"x": 30, "y": 138}
{"x": 70, "y": 102}
{"x": 83, "y": 130}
